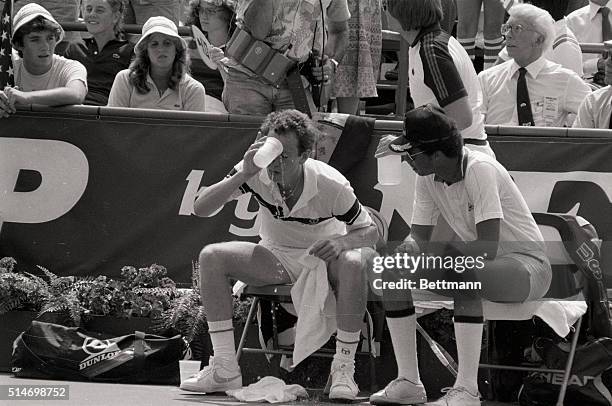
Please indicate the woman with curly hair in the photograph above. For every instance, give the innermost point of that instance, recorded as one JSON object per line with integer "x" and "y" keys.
{"x": 158, "y": 77}
{"x": 214, "y": 19}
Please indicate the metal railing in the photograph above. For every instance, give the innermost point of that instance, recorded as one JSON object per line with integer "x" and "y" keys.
{"x": 381, "y": 125}
{"x": 392, "y": 41}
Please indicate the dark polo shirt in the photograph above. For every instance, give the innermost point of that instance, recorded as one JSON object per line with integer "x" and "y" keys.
{"x": 102, "y": 66}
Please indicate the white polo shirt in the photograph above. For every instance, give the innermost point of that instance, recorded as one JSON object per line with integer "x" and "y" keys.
{"x": 326, "y": 208}
{"x": 585, "y": 23}
{"x": 441, "y": 72}
{"x": 554, "y": 92}
{"x": 486, "y": 192}
{"x": 595, "y": 110}
{"x": 188, "y": 96}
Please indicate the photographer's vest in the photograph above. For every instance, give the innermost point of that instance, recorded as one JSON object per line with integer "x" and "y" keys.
{"x": 295, "y": 22}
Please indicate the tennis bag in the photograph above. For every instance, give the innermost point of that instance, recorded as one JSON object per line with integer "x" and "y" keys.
{"x": 590, "y": 380}
{"x": 53, "y": 351}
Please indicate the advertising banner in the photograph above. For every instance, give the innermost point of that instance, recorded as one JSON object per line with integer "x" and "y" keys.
{"x": 86, "y": 194}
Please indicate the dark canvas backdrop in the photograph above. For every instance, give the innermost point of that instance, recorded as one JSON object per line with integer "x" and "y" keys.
{"x": 142, "y": 171}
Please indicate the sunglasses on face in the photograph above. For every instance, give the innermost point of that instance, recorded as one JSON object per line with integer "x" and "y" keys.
{"x": 411, "y": 155}
{"x": 209, "y": 11}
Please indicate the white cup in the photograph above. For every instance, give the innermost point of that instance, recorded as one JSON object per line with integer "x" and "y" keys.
{"x": 188, "y": 368}
{"x": 390, "y": 170}
{"x": 268, "y": 152}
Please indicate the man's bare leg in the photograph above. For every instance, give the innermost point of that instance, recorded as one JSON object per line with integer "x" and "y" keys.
{"x": 349, "y": 281}
{"x": 245, "y": 261}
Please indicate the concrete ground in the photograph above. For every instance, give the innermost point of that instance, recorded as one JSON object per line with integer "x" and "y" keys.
{"x": 106, "y": 394}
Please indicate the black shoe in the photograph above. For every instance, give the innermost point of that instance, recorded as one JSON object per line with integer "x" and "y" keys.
{"x": 393, "y": 73}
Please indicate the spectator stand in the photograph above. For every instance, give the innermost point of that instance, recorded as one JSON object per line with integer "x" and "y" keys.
{"x": 392, "y": 41}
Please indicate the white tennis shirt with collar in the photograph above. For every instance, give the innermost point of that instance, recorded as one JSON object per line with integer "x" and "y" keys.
{"x": 486, "y": 192}
{"x": 326, "y": 208}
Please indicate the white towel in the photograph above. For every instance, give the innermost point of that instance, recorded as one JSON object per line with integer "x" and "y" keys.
{"x": 560, "y": 315}
{"x": 269, "y": 389}
{"x": 315, "y": 305}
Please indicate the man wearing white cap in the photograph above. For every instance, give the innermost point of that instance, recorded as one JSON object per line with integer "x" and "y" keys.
{"x": 41, "y": 77}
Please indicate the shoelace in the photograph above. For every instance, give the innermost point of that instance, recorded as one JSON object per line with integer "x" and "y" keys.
{"x": 204, "y": 371}
{"x": 207, "y": 369}
{"x": 452, "y": 391}
{"x": 344, "y": 372}
{"x": 397, "y": 381}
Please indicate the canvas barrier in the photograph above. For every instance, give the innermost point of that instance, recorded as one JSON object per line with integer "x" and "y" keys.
{"x": 87, "y": 190}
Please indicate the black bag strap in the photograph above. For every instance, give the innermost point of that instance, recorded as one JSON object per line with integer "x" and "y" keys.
{"x": 139, "y": 350}
{"x": 586, "y": 256}
{"x": 302, "y": 99}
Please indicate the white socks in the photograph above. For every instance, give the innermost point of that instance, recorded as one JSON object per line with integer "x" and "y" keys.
{"x": 469, "y": 343}
{"x": 346, "y": 346}
{"x": 403, "y": 337}
{"x": 222, "y": 338}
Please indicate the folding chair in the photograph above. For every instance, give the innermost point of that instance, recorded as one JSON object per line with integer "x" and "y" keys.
{"x": 279, "y": 294}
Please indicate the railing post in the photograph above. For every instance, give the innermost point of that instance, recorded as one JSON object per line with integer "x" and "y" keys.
{"x": 402, "y": 80}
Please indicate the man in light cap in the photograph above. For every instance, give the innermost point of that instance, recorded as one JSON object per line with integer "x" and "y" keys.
{"x": 500, "y": 256}
{"x": 41, "y": 77}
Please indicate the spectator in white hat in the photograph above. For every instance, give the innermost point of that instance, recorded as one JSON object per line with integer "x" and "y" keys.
{"x": 158, "y": 76}
{"x": 64, "y": 11}
{"x": 41, "y": 77}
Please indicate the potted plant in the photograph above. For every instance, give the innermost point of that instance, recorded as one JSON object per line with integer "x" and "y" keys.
{"x": 101, "y": 304}
{"x": 128, "y": 304}
{"x": 143, "y": 299}
{"x": 187, "y": 316}
{"x": 22, "y": 296}
{"x": 20, "y": 290}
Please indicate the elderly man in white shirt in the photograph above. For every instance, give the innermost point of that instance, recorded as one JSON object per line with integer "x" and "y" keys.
{"x": 588, "y": 24}
{"x": 596, "y": 109}
{"x": 546, "y": 94}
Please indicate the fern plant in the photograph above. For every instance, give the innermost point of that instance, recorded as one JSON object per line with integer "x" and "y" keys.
{"x": 143, "y": 292}
{"x": 20, "y": 290}
{"x": 187, "y": 316}
{"x": 62, "y": 300}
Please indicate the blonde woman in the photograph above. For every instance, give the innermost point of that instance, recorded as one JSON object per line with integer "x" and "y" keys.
{"x": 106, "y": 52}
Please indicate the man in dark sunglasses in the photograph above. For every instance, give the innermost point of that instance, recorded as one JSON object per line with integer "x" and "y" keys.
{"x": 496, "y": 232}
